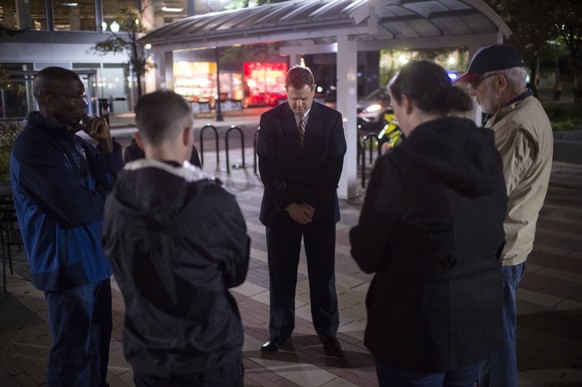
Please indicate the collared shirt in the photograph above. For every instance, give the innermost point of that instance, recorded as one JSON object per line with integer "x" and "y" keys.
{"x": 298, "y": 117}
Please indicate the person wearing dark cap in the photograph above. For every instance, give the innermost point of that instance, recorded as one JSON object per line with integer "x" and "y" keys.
{"x": 523, "y": 136}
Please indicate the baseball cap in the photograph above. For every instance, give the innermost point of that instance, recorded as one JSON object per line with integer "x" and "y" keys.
{"x": 491, "y": 58}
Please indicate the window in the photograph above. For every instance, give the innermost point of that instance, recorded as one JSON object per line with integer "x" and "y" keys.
{"x": 23, "y": 14}
{"x": 111, "y": 9}
{"x": 16, "y": 99}
{"x": 74, "y": 15}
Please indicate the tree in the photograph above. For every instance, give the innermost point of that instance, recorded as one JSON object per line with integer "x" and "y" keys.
{"x": 545, "y": 27}
{"x": 4, "y": 77}
{"x": 131, "y": 28}
{"x": 568, "y": 24}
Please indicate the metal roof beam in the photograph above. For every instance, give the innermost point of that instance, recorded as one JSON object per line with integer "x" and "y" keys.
{"x": 306, "y": 50}
{"x": 282, "y": 36}
{"x": 424, "y": 42}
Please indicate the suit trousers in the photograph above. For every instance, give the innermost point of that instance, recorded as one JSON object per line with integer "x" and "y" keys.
{"x": 283, "y": 251}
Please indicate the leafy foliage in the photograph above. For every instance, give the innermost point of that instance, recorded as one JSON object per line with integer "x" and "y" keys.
{"x": 9, "y": 130}
{"x": 131, "y": 29}
{"x": 545, "y": 27}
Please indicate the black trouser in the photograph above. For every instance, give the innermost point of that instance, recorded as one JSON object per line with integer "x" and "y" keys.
{"x": 283, "y": 249}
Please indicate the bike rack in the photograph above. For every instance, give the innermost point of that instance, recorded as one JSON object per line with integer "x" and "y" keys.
{"x": 368, "y": 137}
{"x": 208, "y": 126}
{"x": 255, "y": 140}
{"x": 242, "y": 146}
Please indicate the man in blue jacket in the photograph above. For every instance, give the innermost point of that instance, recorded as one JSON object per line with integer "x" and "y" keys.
{"x": 60, "y": 182}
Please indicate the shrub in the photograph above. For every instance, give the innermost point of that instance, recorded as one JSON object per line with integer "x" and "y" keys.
{"x": 564, "y": 116}
{"x": 9, "y": 130}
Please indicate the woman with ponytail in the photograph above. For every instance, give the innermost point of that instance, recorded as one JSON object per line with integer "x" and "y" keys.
{"x": 431, "y": 230}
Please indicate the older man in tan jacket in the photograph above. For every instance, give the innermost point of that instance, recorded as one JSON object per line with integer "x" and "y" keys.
{"x": 523, "y": 136}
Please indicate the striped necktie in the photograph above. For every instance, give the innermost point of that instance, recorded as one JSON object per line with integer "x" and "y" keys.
{"x": 302, "y": 123}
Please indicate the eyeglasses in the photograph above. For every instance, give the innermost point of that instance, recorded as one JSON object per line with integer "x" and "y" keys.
{"x": 476, "y": 83}
{"x": 74, "y": 98}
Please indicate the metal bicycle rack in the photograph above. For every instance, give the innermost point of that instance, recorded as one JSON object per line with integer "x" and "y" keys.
{"x": 367, "y": 138}
{"x": 255, "y": 140}
{"x": 208, "y": 126}
{"x": 242, "y": 145}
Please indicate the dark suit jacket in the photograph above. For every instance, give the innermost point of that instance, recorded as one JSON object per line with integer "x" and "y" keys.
{"x": 295, "y": 174}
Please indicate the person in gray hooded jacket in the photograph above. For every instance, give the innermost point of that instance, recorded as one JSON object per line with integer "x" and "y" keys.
{"x": 177, "y": 242}
{"x": 431, "y": 229}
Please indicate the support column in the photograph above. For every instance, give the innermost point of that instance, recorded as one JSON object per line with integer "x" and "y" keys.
{"x": 166, "y": 70}
{"x": 347, "y": 58}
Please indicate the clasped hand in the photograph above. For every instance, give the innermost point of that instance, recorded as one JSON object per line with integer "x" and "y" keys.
{"x": 97, "y": 129}
{"x": 302, "y": 213}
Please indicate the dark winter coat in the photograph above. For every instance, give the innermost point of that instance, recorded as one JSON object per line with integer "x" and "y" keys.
{"x": 431, "y": 228}
{"x": 177, "y": 242}
{"x": 60, "y": 182}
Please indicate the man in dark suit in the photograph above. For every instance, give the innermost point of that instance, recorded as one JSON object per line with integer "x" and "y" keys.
{"x": 301, "y": 147}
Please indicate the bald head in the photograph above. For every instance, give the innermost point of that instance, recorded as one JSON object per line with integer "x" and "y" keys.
{"x": 53, "y": 80}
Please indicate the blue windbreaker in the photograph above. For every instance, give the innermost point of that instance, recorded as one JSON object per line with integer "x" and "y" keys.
{"x": 59, "y": 182}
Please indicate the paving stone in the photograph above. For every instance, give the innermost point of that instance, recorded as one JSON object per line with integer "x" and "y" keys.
{"x": 549, "y": 308}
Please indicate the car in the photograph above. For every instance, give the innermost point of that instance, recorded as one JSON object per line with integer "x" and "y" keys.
{"x": 371, "y": 111}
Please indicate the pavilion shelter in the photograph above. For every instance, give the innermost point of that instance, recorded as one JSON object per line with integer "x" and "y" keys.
{"x": 343, "y": 27}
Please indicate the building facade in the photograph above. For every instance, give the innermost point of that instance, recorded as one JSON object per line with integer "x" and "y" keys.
{"x": 63, "y": 32}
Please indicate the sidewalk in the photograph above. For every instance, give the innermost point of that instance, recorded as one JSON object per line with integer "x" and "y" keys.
{"x": 549, "y": 307}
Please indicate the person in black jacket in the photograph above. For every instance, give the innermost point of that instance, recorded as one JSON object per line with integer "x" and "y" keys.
{"x": 431, "y": 229}
{"x": 177, "y": 242}
{"x": 134, "y": 152}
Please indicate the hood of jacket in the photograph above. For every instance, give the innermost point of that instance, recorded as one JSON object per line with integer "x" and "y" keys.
{"x": 177, "y": 187}
{"x": 457, "y": 151}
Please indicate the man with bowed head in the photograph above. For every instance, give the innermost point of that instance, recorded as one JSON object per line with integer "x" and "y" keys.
{"x": 59, "y": 182}
{"x": 523, "y": 135}
{"x": 177, "y": 242}
{"x": 301, "y": 147}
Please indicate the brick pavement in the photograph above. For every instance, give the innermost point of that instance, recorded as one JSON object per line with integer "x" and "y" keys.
{"x": 549, "y": 322}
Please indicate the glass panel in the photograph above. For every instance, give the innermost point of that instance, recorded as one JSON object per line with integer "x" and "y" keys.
{"x": 23, "y": 14}
{"x": 172, "y": 10}
{"x": 14, "y": 100}
{"x": 111, "y": 9}
{"x": 115, "y": 87}
{"x": 74, "y": 15}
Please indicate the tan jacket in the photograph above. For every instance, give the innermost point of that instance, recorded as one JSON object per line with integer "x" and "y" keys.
{"x": 523, "y": 136}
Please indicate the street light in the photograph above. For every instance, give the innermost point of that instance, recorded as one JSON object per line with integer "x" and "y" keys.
{"x": 219, "y": 116}
{"x": 114, "y": 26}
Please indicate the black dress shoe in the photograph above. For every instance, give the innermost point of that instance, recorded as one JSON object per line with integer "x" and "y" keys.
{"x": 331, "y": 346}
{"x": 274, "y": 344}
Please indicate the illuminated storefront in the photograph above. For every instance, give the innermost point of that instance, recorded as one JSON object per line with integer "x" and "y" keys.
{"x": 256, "y": 84}
{"x": 196, "y": 81}
{"x": 264, "y": 82}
